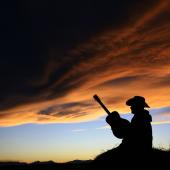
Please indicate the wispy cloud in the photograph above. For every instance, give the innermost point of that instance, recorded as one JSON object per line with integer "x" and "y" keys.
{"x": 160, "y": 111}
{"x": 103, "y": 127}
{"x": 78, "y": 130}
{"x": 161, "y": 123}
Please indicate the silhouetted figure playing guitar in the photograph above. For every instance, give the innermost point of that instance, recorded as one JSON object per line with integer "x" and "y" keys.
{"x": 136, "y": 135}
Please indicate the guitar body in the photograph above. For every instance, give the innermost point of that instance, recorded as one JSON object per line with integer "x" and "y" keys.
{"x": 120, "y": 126}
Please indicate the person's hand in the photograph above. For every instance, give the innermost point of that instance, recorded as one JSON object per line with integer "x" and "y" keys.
{"x": 111, "y": 118}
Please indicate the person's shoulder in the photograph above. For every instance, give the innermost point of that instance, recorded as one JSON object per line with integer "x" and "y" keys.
{"x": 146, "y": 116}
{"x": 143, "y": 117}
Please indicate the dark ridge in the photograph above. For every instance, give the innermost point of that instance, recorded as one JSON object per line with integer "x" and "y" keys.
{"x": 110, "y": 159}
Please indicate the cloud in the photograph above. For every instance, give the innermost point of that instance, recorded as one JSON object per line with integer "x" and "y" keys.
{"x": 162, "y": 110}
{"x": 82, "y": 55}
{"x": 78, "y": 130}
{"x": 73, "y": 109}
{"x": 161, "y": 123}
{"x": 103, "y": 127}
{"x": 162, "y": 82}
{"x": 120, "y": 81}
{"x": 52, "y": 109}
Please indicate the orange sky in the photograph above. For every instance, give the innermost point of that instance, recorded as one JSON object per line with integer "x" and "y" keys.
{"x": 131, "y": 60}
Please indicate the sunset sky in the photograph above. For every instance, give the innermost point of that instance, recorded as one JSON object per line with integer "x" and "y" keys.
{"x": 56, "y": 55}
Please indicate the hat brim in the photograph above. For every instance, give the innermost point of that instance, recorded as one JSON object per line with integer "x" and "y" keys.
{"x": 146, "y": 105}
{"x": 132, "y": 102}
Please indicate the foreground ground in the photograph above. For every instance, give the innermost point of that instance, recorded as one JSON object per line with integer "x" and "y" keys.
{"x": 107, "y": 160}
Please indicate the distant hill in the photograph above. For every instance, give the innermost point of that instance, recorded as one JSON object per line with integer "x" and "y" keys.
{"x": 75, "y": 164}
{"x": 110, "y": 159}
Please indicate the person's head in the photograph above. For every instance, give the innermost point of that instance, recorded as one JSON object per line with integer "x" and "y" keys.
{"x": 137, "y": 104}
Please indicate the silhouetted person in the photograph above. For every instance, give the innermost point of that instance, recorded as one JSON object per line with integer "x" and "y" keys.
{"x": 137, "y": 134}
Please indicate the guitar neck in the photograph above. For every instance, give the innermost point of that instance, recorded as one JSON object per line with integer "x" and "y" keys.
{"x": 101, "y": 104}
